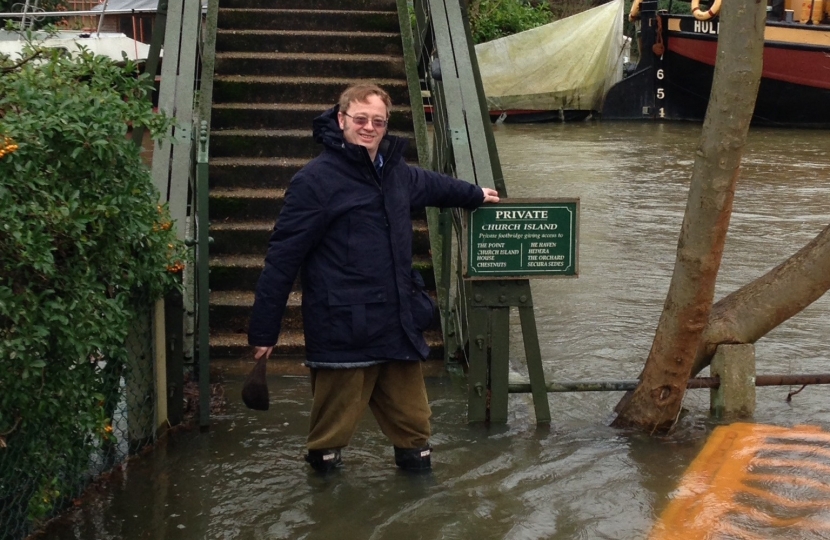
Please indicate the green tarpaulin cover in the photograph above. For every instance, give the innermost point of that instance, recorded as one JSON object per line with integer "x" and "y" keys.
{"x": 566, "y": 65}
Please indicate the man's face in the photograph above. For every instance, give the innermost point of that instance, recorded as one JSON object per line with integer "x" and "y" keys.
{"x": 373, "y": 109}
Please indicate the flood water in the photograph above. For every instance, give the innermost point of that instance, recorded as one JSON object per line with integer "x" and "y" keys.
{"x": 579, "y": 479}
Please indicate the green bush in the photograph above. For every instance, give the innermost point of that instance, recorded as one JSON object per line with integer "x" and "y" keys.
{"x": 84, "y": 246}
{"x": 492, "y": 19}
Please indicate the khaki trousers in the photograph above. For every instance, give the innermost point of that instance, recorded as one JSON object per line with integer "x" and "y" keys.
{"x": 394, "y": 391}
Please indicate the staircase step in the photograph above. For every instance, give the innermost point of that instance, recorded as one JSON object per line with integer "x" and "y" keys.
{"x": 265, "y": 143}
{"x": 237, "y": 272}
{"x": 291, "y": 344}
{"x": 420, "y": 238}
{"x": 362, "y": 66}
{"x": 230, "y": 311}
{"x": 353, "y": 5}
{"x": 245, "y": 204}
{"x": 240, "y": 237}
{"x": 241, "y": 272}
{"x": 289, "y": 41}
{"x": 253, "y": 172}
{"x": 287, "y": 115}
{"x": 255, "y": 89}
{"x": 422, "y": 262}
{"x": 308, "y": 19}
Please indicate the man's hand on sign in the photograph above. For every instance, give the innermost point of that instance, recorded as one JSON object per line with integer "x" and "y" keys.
{"x": 490, "y": 195}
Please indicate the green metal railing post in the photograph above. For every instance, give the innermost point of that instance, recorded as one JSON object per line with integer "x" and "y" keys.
{"x": 202, "y": 269}
{"x": 477, "y": 375}
{"x": 533, "y": 357}
{"x": 416, "y": 101}
{"x": 205, "y": 102}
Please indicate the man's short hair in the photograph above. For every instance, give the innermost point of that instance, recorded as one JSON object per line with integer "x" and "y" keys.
{"x": 361, "y": 92}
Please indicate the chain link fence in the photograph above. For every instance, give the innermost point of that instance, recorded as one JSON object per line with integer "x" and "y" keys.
{"x": 40, "y": 476}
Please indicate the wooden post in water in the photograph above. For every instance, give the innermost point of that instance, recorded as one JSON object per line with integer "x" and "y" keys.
{"x": 735, "y": 366}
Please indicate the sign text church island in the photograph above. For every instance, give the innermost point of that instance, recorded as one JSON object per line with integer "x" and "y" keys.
{"x": 523, "y": 238}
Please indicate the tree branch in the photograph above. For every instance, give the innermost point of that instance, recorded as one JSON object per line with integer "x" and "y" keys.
{"x": 22, "y": 62}
{"x": 13, "y": 428}
{"x": 755, "y": 309}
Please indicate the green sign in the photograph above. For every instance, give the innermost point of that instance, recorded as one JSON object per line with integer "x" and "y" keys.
{"x": 521, "y": 238}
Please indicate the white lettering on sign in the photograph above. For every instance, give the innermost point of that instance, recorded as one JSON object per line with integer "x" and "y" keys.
{"x": 547, "y": 264}
{"x": 707, "y": 27}
{"x": 521, "y": 214}
{"x": 501, "y": 227}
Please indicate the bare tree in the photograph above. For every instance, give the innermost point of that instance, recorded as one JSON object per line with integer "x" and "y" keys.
{"x": 656, "y": 403}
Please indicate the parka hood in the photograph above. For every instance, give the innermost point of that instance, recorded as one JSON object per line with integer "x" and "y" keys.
{"x": 327, "y": 130}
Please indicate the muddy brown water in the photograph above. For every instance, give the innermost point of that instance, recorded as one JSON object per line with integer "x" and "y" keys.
{"x": 578, "y": 479}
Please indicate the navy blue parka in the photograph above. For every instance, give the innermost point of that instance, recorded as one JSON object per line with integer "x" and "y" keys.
{"x": 347, "y": 228}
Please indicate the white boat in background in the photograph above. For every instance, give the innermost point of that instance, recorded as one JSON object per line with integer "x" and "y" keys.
{"x": 113, "y": 45}
{"x": 122, "y": 6}
{"x": 558, "y": 71}
{"x": 107, "y": 39}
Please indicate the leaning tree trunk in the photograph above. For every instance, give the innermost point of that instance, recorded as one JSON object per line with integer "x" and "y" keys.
{"x": 656, "y": 402}
{"x": 752, "y": 311}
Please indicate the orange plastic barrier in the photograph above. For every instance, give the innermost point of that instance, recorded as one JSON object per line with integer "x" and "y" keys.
{"x": 753, "y": 482}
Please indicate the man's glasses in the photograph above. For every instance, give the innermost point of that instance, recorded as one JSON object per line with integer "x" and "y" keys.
{"x": 360, "y": 121}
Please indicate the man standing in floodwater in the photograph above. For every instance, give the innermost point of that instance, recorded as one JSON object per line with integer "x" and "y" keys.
{"x": 346, "y": 227}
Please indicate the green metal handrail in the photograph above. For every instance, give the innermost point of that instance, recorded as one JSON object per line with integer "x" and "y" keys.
{"x": 459, "y": 119}
{"x": 208, "y": 56}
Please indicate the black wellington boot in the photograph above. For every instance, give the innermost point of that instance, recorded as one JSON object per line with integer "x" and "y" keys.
{"x": 324, "y": 460}
{"x": 413, "y": 459}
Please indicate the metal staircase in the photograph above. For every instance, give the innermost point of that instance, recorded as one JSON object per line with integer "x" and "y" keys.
{"x": 278, "y": 65}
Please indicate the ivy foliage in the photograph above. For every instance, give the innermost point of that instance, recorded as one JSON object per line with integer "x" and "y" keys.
{"x": 84, "y": 246}
{"x": 492, "y": 19}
